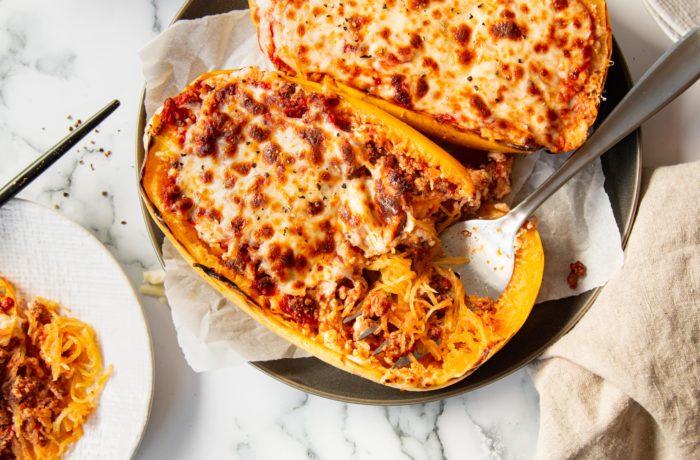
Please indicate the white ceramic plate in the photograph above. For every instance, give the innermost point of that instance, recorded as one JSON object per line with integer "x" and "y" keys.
{"x": 44, "y": 254}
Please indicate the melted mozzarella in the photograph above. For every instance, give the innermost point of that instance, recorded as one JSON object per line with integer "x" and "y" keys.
{"x": 291, "y": 203}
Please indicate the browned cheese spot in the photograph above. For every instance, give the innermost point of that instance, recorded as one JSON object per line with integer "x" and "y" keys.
{"x": 315, "y": 138}
{"x": 422, "y": 87}
{"x": 265, "y": 232}
{"x": 401, "y": 96}
{"x": 418, "y": 4}
{"x": 416, "y": 41}
{"x": 208, "y": 176}
{"x": 478, "y": 103}
{"x": 462, "y": 33}
{"x": 258, "y": 133}
{"x": 237, "y": 224}
{"x": 430, "y": 63}
{"x": 507, "y": 29}
{"x": 271, "y": 153}
{"x": 560, "y": 4}
{"x": 465, "y": 57}
{"x": 315, "y": 207}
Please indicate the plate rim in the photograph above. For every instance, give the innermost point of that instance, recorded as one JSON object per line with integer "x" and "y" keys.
{"x": 428, "y": 396}
{"x": 79, "y": 229}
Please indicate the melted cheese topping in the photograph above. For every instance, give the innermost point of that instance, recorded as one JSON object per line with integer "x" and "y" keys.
{"x": 507, "y": 70}
{"x": 298, "y": 199}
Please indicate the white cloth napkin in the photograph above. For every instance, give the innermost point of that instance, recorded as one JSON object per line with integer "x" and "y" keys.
{"x": 676, "y": 17}
{"x": 625, "y": 382}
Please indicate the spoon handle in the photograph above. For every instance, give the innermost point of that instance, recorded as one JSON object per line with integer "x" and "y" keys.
{"x": 671, "y": 74}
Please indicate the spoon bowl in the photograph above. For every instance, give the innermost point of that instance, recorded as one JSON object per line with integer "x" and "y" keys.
{"x": 489, "y": 247}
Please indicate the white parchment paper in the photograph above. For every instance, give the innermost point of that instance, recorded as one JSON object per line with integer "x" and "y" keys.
{"x": 577, "y": 223}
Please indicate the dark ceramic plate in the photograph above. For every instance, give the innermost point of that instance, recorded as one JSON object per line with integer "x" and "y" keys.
{"x": 547, "y": 322}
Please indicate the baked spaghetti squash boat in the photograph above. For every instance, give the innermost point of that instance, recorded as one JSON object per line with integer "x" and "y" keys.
{"x": 508, "y": 76}
{"x": 319, "y": 215}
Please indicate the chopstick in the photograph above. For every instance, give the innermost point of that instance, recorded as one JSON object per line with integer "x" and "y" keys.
{"x": 43, "y": 163}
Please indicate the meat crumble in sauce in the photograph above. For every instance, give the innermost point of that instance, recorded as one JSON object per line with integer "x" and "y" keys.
{"x": 326, "y": 194}
{"x": 578, "y": 270}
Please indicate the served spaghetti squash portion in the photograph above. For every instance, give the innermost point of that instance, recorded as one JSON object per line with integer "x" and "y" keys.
{"x": 489, "y": 74}
{"x": 319, "y": 215}
{"x": 51, "y": 377}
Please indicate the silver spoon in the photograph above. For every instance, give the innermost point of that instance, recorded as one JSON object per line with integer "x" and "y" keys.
{"x": 489, "y": 244}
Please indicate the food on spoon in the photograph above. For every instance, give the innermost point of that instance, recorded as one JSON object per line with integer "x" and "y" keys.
{"x": 487, "y": 74}
{"x": 51, "y": 377}
{"x": 319, "y": 215}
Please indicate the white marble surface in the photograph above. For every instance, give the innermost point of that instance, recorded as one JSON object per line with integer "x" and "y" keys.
{"x": 71, "y": 57}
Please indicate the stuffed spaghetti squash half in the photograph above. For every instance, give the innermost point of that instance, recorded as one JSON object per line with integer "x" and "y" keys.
{"x": 319, "y": 216}
{"x": 507, "y": 76}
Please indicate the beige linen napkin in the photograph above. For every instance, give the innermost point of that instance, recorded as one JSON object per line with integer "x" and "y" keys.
{"x": 625, "y": 382}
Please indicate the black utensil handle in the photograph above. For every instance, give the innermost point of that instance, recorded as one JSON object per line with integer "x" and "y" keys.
{"x": 42, "y": 163}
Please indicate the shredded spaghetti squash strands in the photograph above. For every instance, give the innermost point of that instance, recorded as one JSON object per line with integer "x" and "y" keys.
{"x": 68, "y": 362}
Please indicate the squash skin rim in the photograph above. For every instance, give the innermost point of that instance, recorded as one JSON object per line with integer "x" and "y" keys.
{"x": 233, "y": 287}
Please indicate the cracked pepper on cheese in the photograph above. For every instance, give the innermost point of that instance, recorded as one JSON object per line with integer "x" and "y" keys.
{"x": 324, "y": 217}
{"x": 526, "y": 74}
